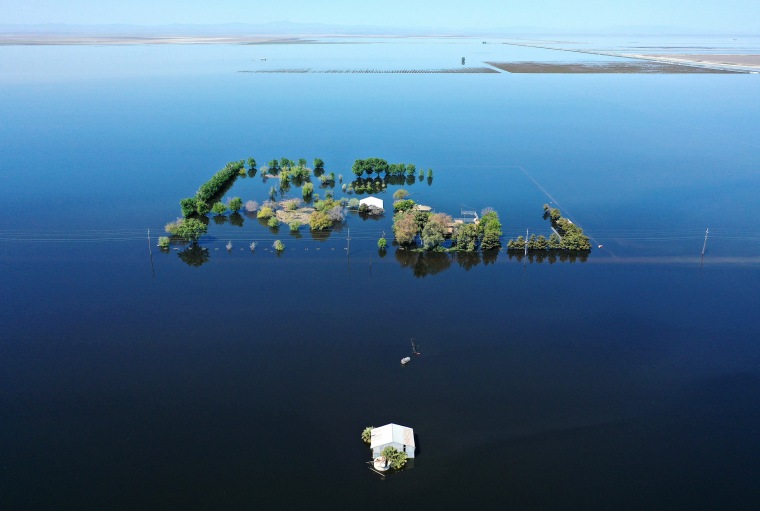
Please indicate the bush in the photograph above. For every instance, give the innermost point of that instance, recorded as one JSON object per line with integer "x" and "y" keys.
{"x": 188, "y": 228}
{"x": 382, "y": 243}
{"x": 235, "y": 204}
{"x": 400, "y": 194}
{"x": 308, "y": 190}
{"x": 319, "y": 221}
{"x": 396, "y": 459}
{"x": 163, "y": 242}
{"x": 294, "y": 226}
{"x": 273, "y": 222}
{"x": 251, "y": 206}
{"x": 291, "y": 205}
{"x": 403, "y": 205}
{"x": 367, "y": 434}
{"x": 265, "y": 212}
{"x": 278, "y": 245}
{"x": 219, "y": 208}
{"x": 353, "y": 203}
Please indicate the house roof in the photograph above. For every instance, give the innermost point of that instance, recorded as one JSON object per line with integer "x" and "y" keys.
{"x": 392, "y": 433}
{"x": 372, "y": 200}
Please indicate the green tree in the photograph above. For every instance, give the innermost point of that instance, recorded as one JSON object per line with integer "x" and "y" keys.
{"x": 467, "y": 237}
{"x": 235, "y": 204}
{"x": 189, "y": 206}
{"x": 382, "y": 243}
{"x": 163, "y": 241}
{"x": 219, "y": 208}
{"x": 278, "y": 245}
{"x": 307, "y": 191}
{"x": 302, "y": 162}
{"x": 251, "y": 163}
{"x": 397, "y": 459}
{"x": 430, "y": 174}
{"x": 190, "y": 229}
{"x": 319, "y": 164}
{"x": 411, "y": 169}
{"x": 294, "y": 225}
{"x": 202, "y": 207}
{"x": 403, "y": 205}
{"x": 367, "y": 434}
{"x": 432, "y": 235}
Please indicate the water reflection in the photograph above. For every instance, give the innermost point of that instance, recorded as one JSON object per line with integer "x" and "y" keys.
{"x": 550, "y": 256}
{"x": 220, "y": 219}
{"x": 423, "y": 264}
{"x": 236, "y": 219}
{"x": 468, "y": 260}
{"x": 195, "y": 255}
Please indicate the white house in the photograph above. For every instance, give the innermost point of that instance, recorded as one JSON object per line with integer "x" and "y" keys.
{"x": 393, "y": 435}
{"x": 372, "y": 201}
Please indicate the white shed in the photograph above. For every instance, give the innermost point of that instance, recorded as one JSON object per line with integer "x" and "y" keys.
{"x": 393, "y": 435}
{"x": 372, "y": 201}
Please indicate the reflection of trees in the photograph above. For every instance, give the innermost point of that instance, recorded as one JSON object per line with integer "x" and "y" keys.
{"x": 320, "y": 235}
{"x": 423, "y": 263}
{"x": 382, "y": 252}
{"x": 410, "y": 180}
{"x": 220, "y": 219}
{"x": 194, "y": 255}
{"x": 296, "y": 234}
{"x": 551, "y": 256}
{"x": 468, "y": 260}
{"x": 236, "y": 219}
{"x": 252, "y": 172}
{"x": 251, "y": 215}
{"x": 490, "y": 256}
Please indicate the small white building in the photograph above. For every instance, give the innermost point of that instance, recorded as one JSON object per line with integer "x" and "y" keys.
{"x": 372, "y": 202}
{"x": 393, "y": 435}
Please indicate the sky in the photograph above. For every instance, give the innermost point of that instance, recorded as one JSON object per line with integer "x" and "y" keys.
{"x": 729, "y": 16}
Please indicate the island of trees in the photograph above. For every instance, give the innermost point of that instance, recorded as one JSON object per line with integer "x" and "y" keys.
{"x": 320, "y": 213}
{"x": 566, "y": 236}
{"x": 417, "y": 229}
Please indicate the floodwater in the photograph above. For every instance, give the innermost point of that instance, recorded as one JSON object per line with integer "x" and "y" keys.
{"x": 129, "y": 379}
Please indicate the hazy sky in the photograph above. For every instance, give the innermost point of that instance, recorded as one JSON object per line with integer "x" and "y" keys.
{"x": 735, "y": 16}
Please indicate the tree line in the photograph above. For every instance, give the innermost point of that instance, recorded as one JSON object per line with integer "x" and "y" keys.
{"x": 568, "y": 236}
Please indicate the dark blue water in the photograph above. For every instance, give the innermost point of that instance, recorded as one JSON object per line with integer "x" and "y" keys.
{"x": 628, "y": 381}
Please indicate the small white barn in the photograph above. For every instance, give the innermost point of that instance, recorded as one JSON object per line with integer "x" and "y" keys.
{"x": 393, "y": 435}
{"x": 372, "y": 201}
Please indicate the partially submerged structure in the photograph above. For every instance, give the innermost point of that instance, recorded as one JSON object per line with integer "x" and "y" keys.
{"x": 392, "y": 435}
{"x": 372, "y": 202}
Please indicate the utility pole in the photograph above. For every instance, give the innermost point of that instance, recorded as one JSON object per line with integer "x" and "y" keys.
{"x": 704, "y": 246}
{"x": 150, "y": 252}
{"x": 348, "y": 242}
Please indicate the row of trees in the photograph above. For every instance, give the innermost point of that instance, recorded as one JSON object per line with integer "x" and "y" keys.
{"x": 211, "y": 190}
{"x": 379, "y": 166}
{"x": 568, "y": 236}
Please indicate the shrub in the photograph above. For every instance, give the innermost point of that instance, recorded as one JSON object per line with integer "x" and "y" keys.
{"x": 367, "y": 434}
{"x": 273, "y": 222}
{"x": 252, "y": 246}
{"x": 294, "y": 226}
{"x": 251, "y": 206}
{"x": 219, "y": 208}
{"x": 353, "y": 203}
{"x": 308, "y": 190}
{"x": 400, "y": 194}
{"x": 291, "y": 205}
{"x": 278, "y": 245}
{"x": 235, "y": 204}
{"x": 403, "y": 205}
{"x": 163, "y": 242}
{"x": 265, "y": 212}
{"x": 335, "y": 214}
{"x": 319, "y": 221}
{"x": 396, "y": 459}
{"x": 228, "y": 246}
{"x": 188, "y": 228}
{"x": 382, "y": 243}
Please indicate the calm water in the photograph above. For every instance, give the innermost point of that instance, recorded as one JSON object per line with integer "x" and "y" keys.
{"x": 629, "y": 381}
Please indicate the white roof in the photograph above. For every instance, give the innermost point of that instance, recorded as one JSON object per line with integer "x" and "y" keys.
{"x": 392, "y": 433}
{"x": 372, "y": 201}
